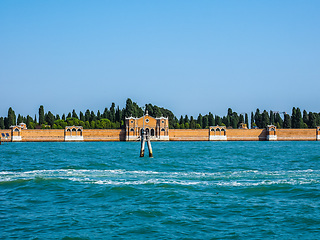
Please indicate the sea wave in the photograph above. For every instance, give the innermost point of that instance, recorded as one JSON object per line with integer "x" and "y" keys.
{"x": 140, "y": 177}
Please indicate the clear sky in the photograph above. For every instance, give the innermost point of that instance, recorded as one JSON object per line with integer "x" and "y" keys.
{"x": 188, "y": 56}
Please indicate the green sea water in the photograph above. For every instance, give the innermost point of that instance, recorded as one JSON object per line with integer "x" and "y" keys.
{"x": 189, "y": 190}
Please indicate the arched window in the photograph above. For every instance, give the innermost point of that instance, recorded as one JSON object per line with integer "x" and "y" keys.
{"x": 131, "y": 130}
{"x": 152, "y": 132}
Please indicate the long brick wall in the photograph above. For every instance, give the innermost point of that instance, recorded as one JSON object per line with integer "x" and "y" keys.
{"x": 104, "y": 135}
{"x": 296, "y": 134}
{"x": 57, "y": 135}
{"x": 246, "y": 134}
{"x": 42, "y": 135}
{"x": 189, "y": 134}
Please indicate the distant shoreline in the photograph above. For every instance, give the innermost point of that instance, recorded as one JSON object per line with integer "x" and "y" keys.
{"x": 116, "y": 135}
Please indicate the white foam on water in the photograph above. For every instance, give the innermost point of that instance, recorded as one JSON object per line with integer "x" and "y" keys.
{"x": 139, "y": 177}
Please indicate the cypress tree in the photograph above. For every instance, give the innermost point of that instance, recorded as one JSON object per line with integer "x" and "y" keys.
{"x": 258, "y": 118}
{"x": 35, "y": 118}
{"x": 265, "y": 119}
{"x": 82, "y": 118}
{"x": 247, "y": 120}
{"x": 186, "y": 120}
{"x": 252, "y": 120}
{"x": 129, "y": 111}
{"x": 41, "y": 115}
{"x": 20, "y": 119}
{"x": 149, "y": 108}
{"x": 118, "y": 115}
{"x": 11, "y": 118}
{"x": 74, "y": 114}
{"x": 181, "y": 121}
{"x": 1, "y": 123}
{"x": 6, "y": 123}
{"x": 225, "y": 120}
{"x": 205, "y": 121}
{"x": 317, "y": 115}
{"x": 272, "y": 118}
{"x": 293, "y": 118}
{"x": 87, "y": 115}
{"x": 211, "y": 120}
{"x": 105, "y": 113}
{"x": 93, "y": 117}
{"x": 192, "y": 123}
{"x": 298, "y": 119}
{"x": 98, "y": 115}
{"x": 50, "y": 119}
{"x": 241, "y": 119}
{"x": 278, "y": 121}
{"x": 228, "y": 121}
{"x": 312, "y": 120}
{"x": 234, "y": 120}
{"x": 199, "y": 120}
{"x": 305, "y": 118}
{"x": 29, "y": 121}
{"x": 286, "y": 121}
{"x": 112, "y": 112}
{"x": 57, "y": 117}
{"x": 217, "y": 121}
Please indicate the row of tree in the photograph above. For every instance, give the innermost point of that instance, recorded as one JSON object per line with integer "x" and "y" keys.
{"x": 114, "y": 118}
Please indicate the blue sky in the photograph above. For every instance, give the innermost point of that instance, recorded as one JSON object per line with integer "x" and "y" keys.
{"x": 188, "y": 56}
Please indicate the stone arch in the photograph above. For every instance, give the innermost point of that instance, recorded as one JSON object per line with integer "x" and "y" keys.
{"x": 223, "y": 131}
{"x": 68, "y": 132}
{"x": 74, "y": 130}
{"x": 79, "y": 132}
{"x": 17, "y": 130}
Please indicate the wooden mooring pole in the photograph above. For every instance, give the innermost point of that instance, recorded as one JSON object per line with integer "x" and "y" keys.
{"x": 145, "y": 137}
{"x": 143, "y": 143}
